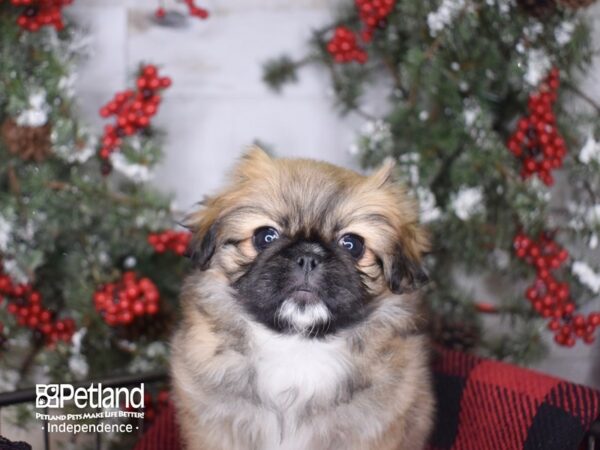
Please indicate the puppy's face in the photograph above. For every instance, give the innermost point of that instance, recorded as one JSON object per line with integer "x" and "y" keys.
{"x": 309, "y": 247}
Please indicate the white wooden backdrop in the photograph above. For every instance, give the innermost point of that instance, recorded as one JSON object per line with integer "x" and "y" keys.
{"x": 218, "y": 104}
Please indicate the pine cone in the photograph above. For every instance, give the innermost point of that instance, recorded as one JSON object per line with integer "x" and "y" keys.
{"x": 538, "y": 8}
{"x": 28, "y": 143}
{"x": 456, "y": 335}
{"x": 576, "y": 4}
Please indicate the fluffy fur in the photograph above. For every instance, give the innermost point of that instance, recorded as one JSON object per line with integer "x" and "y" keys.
{"x": 272, "y": 355}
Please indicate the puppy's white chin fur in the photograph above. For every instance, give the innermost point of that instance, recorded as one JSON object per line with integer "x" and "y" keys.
{"x": 303, "y": 319}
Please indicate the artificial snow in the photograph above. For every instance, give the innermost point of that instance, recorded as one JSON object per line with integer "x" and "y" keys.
{"x": 75, "y": 155}
{"x": 444, "y": 15}
{"x": 135, "y": 172}
{"x": 5, "y": 231}
{"x": 592, "y": 216}
{"x": 377, "y": 131}
{"x": 593, "y": 242}
{"x": 564, "y": 33}
{"x": 586, "y": 276}
{"x": 13, "y": 270}
{"x": 428, "y": 209}
{"x": 533, "y": 31}
{"x": 37, "y": 113}
{"x": 374, "y": 135}
{"x": 538, "y": 65}
{"x": 409, "y": 164}
{"x": 130, "y": 262}
{"x": 590, "y": 151}
{"x": 467, "y": 202}
{"x": 77, "y": 363}
{"x": 471, "y": 113}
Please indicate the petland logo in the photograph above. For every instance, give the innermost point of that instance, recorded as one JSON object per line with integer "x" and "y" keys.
{"x": 93, "y": 396}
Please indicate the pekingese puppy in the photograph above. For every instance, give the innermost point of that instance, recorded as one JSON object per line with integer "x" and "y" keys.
{"x": 300, "y": 326}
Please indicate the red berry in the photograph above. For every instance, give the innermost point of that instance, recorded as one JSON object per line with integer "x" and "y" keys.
{"x": 126, "y": 317}
{"x": 152, "y": 296}
{"x": 132, "y": 292}
{"x": 579, "y": 321}
{"x": 124, "y": 305}
{"x": 594, "y": 319}
{"x": 138, "y": 308}
{"x": 45, "y": 316}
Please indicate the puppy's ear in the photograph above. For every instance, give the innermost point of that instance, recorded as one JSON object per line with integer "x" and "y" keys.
{"x": 204, "y": 227}
{"x": 405, "y": 272}
{"x": 254, "y": 163}
{"x": 384, "y": 174}
{"x": 205, "y": 223}
{"x": 406, "y": 275}
{"x": 255, "y": 153}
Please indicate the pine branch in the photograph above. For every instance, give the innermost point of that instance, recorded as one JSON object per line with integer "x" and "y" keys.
{"x": 337, "y": 81}
{"x": 112, "y": 195}
{"x": 393, "y": 71}
{"x": 13, "y": 182}
{"x": 590, "y": 191}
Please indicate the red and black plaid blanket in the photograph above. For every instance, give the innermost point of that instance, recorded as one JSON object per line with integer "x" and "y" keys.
{"x": 482, "y": 405}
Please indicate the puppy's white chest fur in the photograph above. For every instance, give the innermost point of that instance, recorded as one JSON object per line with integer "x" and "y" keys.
{"x": 293, "y": 374}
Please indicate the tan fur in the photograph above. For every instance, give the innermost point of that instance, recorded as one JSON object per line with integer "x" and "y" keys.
{"x": 385, "y": 401}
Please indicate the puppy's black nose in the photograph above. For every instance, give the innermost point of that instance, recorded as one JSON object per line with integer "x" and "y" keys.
{"x": 308, "y": 262}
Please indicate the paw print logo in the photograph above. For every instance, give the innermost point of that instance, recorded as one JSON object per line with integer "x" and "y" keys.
{"x": 46, "y": 396}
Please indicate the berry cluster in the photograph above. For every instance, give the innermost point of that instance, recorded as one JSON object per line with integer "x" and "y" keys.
{"x": 39, "y": 13}
{"x": 344, "y": 48}
{"x": 550, "y": 297}
{"x": 195, "y": 11}
{"x": 121, "y": 302}
{"x": 132, "y": 109}
{"x": 373, "y": 14}
{"x": 175, "y": 241}
{"x": 25, "y": 304}
{"x": 537, "y": 141}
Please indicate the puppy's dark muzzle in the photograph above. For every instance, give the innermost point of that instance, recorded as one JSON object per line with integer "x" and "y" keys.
{"x": 307, "y": 264}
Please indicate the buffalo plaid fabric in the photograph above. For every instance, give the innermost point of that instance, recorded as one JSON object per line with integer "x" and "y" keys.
{"x": 482, "y": 405}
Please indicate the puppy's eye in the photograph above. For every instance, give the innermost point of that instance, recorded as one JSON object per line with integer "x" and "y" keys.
{"x": 264, "y": 236}
{"x": 354, "y": 244}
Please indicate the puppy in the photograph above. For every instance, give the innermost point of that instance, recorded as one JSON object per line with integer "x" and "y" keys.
{"x": 300, "y": 326}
